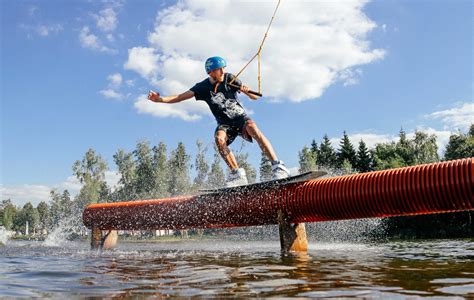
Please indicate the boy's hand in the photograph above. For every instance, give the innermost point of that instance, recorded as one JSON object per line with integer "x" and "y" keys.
{"x": 244, "y": 88}
{"x": 154, "y": 96}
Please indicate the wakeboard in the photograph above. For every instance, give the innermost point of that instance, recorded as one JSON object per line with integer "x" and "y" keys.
{"x": 270, "y": 183}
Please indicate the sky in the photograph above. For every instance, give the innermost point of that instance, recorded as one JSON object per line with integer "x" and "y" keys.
{"x": 75, "y": 74}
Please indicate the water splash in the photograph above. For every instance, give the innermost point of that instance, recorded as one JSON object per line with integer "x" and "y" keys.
{"x": 69, "y": 228}
{"x": 4, "y": 235}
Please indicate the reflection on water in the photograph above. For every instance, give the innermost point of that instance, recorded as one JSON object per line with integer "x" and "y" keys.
{"x": 220, "y": 268}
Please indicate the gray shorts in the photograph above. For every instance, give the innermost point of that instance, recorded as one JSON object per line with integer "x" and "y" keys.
{"x": 236, "y": 128}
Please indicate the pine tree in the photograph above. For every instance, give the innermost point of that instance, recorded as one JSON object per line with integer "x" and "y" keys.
{"x": 216, "y": 177}
{"x": 201, "y": 166}
{"x": 364, "y": 160}
{"x": 404, "y": 149}
{"x": 179, "y": 171}
{"x": 315, "y": 150}
{"x": 346, "y": 151}
{"x": 307, "y": 160}
{"x": 265, "y": 168}
{"x": 327, "y": 155}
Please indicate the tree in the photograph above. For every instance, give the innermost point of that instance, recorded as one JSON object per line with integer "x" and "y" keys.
{"x": 265, "y": 168}
{"x": 307, "y": 160}
{"x": 327, "y": 155}
{"x": 346, "y": 151}
{"x": 315, "y": 150}
{"x": 127, "y": 170}
{"x": 43, "y": 214}
{"x": 425, "y": 148}
{"x": 179, "y": 168}
{"x": 161, "y": 172}
{"x": 8, "y": 212}
{"x": 460, "y": 145}
{"x": 216, "y": 177}
{"x": 31, "y": 216}
{"x": 242, "y": 161}
{"x": 57, "y": 210}
{"x": 364, "y": 159}
{"x": 386, "y": 156}
{"x": 201, "y": 166}
{"x": 404, "y": 149}
{"x": 144, "y": 180}
{"x": 91, "y": 173}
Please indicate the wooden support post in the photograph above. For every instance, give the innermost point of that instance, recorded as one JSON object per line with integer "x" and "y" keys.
{"x": 103, "y": 239}
{"x": 292, "y": 236}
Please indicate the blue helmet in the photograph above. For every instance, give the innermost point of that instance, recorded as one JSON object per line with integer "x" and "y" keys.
{"x": 215, "y": 62}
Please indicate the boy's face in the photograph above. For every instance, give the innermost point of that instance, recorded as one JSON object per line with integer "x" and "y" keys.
{"x": 217, "y": 74}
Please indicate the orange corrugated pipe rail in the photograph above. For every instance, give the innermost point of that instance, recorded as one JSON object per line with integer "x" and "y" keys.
{"x": 424, "y": 189}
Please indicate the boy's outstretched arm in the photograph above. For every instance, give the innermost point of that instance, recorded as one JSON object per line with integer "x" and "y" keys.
{"x": 156, "y": 97}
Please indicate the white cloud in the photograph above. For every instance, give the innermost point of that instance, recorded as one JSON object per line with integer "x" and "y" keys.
{"x": 106, "y": 19}
{"x": 189, "y": 110}
{"x": 32, "y": 10}
{"x": 109, "y": 93}
{"x": 42, "y": 29}
{"x": 36, "y": 193}
{"x": 311, "y": 44}
{"x": 22, "y": 194}
{"x": 115, "y": 80}
{"x": 459, "y": 117}
{"x": 142, "y": 60}
{"x": 90, "y": 41}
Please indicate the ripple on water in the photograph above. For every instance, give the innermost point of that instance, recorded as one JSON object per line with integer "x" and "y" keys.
{"x": 239, "y": 269}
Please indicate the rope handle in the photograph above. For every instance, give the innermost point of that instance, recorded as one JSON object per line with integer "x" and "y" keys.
{"x": 250, "y": 91}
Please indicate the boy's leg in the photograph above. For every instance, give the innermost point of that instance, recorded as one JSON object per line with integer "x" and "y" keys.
{"x": 252, "y": 129}
{"x": 225, "y": 152}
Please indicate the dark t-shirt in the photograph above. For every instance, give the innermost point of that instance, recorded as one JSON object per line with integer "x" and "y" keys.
{"x": 223, "y": 102}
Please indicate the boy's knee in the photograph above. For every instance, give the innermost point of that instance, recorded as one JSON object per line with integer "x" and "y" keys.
{"x": 221, "y": 140}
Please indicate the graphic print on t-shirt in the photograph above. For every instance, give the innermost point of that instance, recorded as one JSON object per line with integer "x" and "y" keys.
{"x": 230, "y": 108}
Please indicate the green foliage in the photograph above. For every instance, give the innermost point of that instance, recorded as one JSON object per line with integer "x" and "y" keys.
{"x": 327, "y": 155}
{"x": 346, "y": 152}
{"x": 419, "y": 150}
{"x": 460, "y": 145}
{"x": 8, "y": 212}
{"x": 364, "y": 162}
{"x": 160, "y": 167}
{"x": 315, "y": 149}
{"x": 307, "y": 160}
{"x": 425, "y": 148}
{"x": 127, "y": 170}
{"x": 144, "y": 178}
{"x": 216, "y": 176}
{"x": 242, "y": 161}
{"x": 91, "y": 173}
{"x": 346, "y": 167}
{"x": 201, "y": 166}
{"x": 28, "y": 214}
{"x": 44, "y": 215}
{"x": 179, "y": 171}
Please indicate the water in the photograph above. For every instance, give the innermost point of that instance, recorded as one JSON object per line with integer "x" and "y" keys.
{"x": 239, "y": 268}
